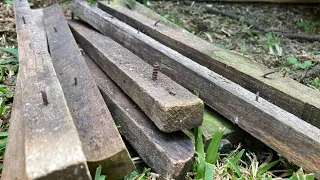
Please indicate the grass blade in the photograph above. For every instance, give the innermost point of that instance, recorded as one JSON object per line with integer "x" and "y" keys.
{"x": 12, "y": 51}
{"x": 98, "y": 173}
{"x": 267, "y": 167}
{"x": 209, "y": 171}
{"x": 3, "y": 134}
{"x": 212, "y": 151}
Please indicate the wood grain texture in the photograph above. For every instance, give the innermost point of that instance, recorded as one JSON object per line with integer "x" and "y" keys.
{"x": 284, "y": 92}
{"x": 170, "y": 106}
{"x": 14, "y": 159}
{"x": 101, "y": 141}
{"x": 169, "y": 155}
{"x": 52, "y": 145}
{"x": 294, "y": 138}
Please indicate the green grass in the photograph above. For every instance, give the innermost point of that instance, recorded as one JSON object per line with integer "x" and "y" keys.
{"x": 9, "y": 68}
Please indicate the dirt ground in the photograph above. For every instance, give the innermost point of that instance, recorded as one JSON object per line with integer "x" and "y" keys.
{"x": 297, "y": 58}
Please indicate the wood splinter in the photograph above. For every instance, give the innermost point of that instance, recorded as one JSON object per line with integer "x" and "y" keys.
{"x": 155, "y": 71}
{"x": 44, "y": 98}
{"x": 55, "y": 29}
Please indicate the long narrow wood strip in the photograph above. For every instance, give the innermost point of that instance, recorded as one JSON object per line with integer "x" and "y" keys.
{"x": 14, "y": 159}
{"x": 168, "y": 154}
{"x": 284, "y": 92}
{"x": 292, "y": 137}
{"x": 170, "y": 106}
{"x": 101, "y": 141}
{"x": 52, "y": 145}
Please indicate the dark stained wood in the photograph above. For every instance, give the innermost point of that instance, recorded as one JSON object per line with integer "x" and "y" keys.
{"x": 170, "y": 106}
{"x": 52, "y": 146}
{"x": 168, "y": 154}
{"x": 284, "y": 92}
{"x": 101, "y": 141}
{"x": 289, "y": 135}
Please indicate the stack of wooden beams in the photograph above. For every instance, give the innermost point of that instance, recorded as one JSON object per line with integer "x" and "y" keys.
{"x": 139, "y": 71}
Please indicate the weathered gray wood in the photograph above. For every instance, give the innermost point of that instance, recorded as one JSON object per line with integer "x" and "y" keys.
{"x": 289, "y": 135}
{"x": 52, "y": 145}
{"x": 14, "y": 161}
{"x": 284, "y": 92}
{"x": 101, "y": 141}
{"x": 168, "y": 154}
{"x": 170, "y": 106}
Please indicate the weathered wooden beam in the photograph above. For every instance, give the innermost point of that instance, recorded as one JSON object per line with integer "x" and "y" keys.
{"x": 284, "y": 92}
{"x": 170, "y": 106}
{"x": 168, "y": 154}
{"x": 289, "y": 135}
{"x": 14, "y": 159}
{"x": 52, "y": 145}
{"x": 101, "y": 141}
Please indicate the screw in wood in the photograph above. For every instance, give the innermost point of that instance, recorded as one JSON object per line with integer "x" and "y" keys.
{"x": 155, "y": 24}
{"x": 75, "y": 81}
{"x": 155, "y": 71}
{"x": 55, "y": 30}
{"x": 44, "y": 98}
{"x": 257, "y": 96}
{"x": 24, "y": 21}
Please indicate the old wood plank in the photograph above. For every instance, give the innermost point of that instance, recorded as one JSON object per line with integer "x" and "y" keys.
{"x": 52, "y": 145}
{"x": 168, "y": 154}
{"x": 101, "y": 141}
{"x": 14, "y": 159}
{"x": 170, "y": 106}
{"x": 284, "y": 92}
{"x": 289, "y": 135}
